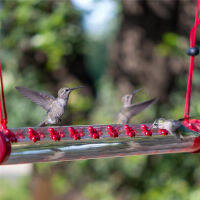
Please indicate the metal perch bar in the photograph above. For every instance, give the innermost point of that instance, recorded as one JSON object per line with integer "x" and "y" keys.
{"x": 107, "y": 145}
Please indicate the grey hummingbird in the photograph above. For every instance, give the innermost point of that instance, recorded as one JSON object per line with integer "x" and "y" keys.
{"x": 174, "y": 127}
{"x": 128, "y": 110}
{"x": 55, "y": 107}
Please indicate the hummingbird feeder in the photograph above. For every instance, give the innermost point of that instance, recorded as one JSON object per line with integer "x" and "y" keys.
{"x": 64, "y": 143}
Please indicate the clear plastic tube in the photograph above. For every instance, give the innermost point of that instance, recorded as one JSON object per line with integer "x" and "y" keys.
{"x": 77, "y": 142}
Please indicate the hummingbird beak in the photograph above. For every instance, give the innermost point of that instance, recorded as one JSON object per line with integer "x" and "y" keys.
{"x": 152, "y": 126}
{"x": 76, "y": 88}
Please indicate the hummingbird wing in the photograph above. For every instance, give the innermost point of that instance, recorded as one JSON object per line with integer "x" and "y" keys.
{"x": 134, "y": 93}
{"x": 40, "y": 98}
{"x": 134, "y": 109}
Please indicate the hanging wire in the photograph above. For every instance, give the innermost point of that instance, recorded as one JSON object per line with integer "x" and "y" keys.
{"x": 191, "y": 68}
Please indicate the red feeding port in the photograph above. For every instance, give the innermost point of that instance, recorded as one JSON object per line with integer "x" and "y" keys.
{"x": 54, "y": 135}
{"x": 10, "y": 135}
{"x": 112, "y": 132}
{"x": 42, "y": 135}
{"x": 33, "y": 135}
{"x": 61, "y": 132}
{"x": 94, "y": 133}
{"x": 129, "y": 131}
{"x": 163, "y": 132}
{"x": 80, "y": 131}
{"x": 145, "y": 130}
{"x": 76, "y": 134}
{"x": 20, "y": 136}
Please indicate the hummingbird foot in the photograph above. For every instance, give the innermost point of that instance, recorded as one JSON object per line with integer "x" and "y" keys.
{"x": 178, "y": 135}
{"x": 42, "y": 123}
{"x": 49, "y": 121}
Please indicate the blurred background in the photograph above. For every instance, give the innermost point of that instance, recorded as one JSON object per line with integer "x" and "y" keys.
{"x": 111, "y": 47}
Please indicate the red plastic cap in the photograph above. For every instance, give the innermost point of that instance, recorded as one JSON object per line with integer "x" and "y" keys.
{"x": 193, "y": 124}
{"x": 5, "y": 148}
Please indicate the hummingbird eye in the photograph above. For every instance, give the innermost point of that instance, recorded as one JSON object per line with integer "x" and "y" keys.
{"x": 155, "y": 124}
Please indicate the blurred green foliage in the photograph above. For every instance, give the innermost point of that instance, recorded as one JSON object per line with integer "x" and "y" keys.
{"x": 41, "y": 41}
{"x": 172, "y": 44}
{"x": 12, "y": 189}
{"x": 36, "y": 39}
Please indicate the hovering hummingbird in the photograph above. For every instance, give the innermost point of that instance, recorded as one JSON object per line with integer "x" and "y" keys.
{"x": 129, "y": 110}
{"x": 54, "y": 106}
{"x": 174, "y": 127}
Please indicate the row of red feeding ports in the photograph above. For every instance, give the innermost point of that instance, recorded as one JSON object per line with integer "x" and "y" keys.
{"x": 77, "y": 134}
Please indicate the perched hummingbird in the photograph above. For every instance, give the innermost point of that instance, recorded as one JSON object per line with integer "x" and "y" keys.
{"x": 129, "y": 110}
{"x": 174, "y": 127}
{"x": 170, "y": 125}
{"x": 54, "y": 106}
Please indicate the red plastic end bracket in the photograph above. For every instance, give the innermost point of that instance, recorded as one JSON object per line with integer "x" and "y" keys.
{"x": 194, "y": 124}
{"x": 5, "y": 148}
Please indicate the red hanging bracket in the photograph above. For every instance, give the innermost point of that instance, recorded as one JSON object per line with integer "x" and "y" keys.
{"x": 192, "y": 58}
{"x": 5, "y": 146}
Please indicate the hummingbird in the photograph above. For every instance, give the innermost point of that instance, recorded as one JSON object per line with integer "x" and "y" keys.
{"x": 174, "y": 127}
{"x": 168, "y": 124}
{"x": 129, "y": 110}
{"x": 55, "y": 107}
